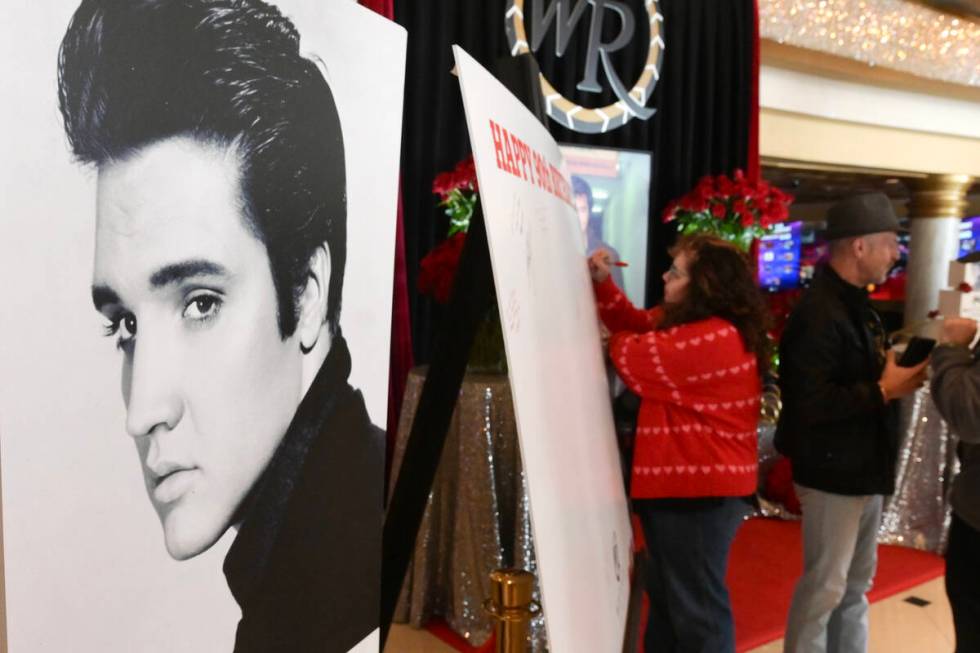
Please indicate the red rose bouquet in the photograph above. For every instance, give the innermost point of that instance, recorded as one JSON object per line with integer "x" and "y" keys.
{"x": 457, "y": 191}
{"x": 438, "y": 268}
{"x": 735, "y": 209}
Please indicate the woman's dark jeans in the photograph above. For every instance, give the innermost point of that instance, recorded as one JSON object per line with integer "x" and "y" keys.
{"x": 688, "y": 541}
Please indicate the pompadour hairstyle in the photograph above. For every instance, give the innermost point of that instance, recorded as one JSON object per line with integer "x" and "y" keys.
{"x": 227, "y": 73}
{"x": 581, "y": 187}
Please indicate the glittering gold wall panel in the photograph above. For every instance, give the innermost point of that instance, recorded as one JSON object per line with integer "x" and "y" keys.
{"x": 892, "y": 33}
{"x": 791, "y": 57}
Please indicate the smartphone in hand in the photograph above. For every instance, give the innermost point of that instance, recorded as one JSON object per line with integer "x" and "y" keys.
{"x": 917, "y": 351}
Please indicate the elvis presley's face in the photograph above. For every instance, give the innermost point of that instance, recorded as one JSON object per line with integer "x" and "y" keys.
{"x": 209, "y": 383}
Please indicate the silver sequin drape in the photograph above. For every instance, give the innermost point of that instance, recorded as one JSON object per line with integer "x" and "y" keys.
{"x": 477, "y": 518}
{"x": 918, "y": 514}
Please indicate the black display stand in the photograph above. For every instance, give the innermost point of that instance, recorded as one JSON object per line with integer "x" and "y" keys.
{"x": 468, "y": 305}
{"x": 470, "y": 300}
{"x": 631, "y": 638}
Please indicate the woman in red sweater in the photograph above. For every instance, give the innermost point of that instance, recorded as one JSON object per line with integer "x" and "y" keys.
{"x": 696, "y": 363}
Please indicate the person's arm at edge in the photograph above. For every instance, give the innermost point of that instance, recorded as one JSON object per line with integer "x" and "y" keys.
{"x": 956, "y": 390}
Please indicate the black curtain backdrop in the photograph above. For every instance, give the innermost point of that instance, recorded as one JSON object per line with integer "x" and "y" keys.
{"x": 701, "y": 125}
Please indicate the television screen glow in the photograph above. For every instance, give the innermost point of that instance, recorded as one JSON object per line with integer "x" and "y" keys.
{"x": 779, "y": 257}
{"x": 969, "y": 236}
{"x": 611, "y": 188}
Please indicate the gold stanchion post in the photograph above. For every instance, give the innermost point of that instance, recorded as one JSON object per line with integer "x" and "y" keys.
{"x": 512, "y": 607}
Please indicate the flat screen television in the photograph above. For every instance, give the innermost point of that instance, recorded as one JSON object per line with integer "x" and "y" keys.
{"x": 969, "y": 236}
{"x": 611, "y": 188}
{"x": 779, "y": 257}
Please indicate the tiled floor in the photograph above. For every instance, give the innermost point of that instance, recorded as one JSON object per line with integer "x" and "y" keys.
{"x": 899, "y": 627}
{"x": 896, "y": 627}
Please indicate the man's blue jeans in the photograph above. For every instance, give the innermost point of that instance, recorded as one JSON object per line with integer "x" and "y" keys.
{"x": 688, "y": 541}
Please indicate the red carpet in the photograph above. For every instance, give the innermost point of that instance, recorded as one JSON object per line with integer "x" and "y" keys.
{"x": 439, "y": 628}
{"x": 765, "y": 563}
{"x": 767, "y": 560}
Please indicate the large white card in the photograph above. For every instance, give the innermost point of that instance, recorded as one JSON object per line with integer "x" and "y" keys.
{"x": 579, "y": 513}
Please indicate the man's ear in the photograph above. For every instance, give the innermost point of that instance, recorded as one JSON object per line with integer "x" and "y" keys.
{"x": 859, "y": 247}
{"x": 314, "y": 300}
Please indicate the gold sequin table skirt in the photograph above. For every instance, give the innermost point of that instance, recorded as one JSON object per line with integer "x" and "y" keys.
{"x": 477, "y": 518}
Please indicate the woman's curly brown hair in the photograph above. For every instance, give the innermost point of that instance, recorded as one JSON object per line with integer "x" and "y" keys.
{"x": 723, "y": 285}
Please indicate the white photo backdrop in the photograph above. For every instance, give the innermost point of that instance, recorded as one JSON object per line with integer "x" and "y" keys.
{"x": 84, "y": 563}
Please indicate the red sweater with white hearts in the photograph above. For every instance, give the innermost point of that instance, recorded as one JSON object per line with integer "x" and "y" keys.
{"x": 699, "y": 408}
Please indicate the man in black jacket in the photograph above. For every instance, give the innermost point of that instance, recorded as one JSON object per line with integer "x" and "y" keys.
{"x": 838, "y": 428}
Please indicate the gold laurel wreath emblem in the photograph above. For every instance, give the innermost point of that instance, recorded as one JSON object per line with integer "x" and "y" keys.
{"x": 579, "y": 118}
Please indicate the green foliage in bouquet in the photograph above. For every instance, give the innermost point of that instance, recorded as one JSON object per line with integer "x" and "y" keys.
{"x": 458, "y": 192}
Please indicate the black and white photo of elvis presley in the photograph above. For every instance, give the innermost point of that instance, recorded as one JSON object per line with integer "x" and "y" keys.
{"x": 219, "y": 265}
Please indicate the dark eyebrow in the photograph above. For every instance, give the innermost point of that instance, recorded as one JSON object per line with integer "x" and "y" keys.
{"x": 177, "y": 272}
{"x": 102, "y": 295}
